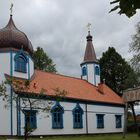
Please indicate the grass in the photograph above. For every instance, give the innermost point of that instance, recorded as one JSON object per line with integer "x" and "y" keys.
{"x": 89, "y": 137}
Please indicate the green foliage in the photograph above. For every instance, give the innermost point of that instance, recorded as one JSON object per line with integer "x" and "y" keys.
{"x": 127, "y": 7}
{"x": 116, "y": 71}
{"x": 59, "y": 94}
{"x": 135, "y": 48}
{"x": 42, "y": 61}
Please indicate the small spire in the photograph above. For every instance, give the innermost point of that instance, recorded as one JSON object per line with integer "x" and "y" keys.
{"x": 11, "y": 9}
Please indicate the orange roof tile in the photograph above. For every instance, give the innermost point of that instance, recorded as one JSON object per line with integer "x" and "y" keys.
{"x": 75, "y": 88}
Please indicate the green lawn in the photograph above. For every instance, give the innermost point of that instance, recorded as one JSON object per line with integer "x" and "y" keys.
{"x": 95, "y": 137}
{"x": 89, "y": 137}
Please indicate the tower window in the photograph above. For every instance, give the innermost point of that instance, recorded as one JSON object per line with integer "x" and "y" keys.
{"x": 118, "y": 121}
{"x": 57, "y": 116}
{"x": 77, "y": 117}
{"x": 97, "y": 70}
{"x": 84, "y": 71}
{"x": 100, "y": 120}
{"x": 30, "y": 119}
{"x": 21, "y": 62}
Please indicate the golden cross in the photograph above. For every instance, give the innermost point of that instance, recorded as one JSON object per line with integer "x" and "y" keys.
{"x": 88, "y": 26}
{"x": 11, "y": 8}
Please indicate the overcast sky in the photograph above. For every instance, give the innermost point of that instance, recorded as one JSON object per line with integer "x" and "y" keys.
{"x": 59, "y": 26}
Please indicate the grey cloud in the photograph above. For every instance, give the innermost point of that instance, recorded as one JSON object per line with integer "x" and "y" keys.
{"x": 59, "y": 26}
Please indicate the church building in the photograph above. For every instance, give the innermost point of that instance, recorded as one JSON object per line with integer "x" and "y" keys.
{"x": 88, "y": 107}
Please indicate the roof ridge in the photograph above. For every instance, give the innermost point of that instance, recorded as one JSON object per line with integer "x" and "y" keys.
{"x": 59, "y": 74}
{"x": 67, "y": 77}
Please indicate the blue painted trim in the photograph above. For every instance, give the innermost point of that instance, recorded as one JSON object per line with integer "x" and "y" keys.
{"x": 11, "y": 98}
{"x": 20, "y": 54}
{"x": 94, "y": 75}
{"x": 97, "y": 70}
{"x": 118, "y": 119}
{"x": 11, "y": 63}
{"x": 87, "y": 71}
{"x": 18, "y": 117}
{"x": 32, "y": 119}
{"x": 28, "y": 68}
{"x": 77, "y": 112}
{"x": 11, "y": 92}
{"x": 100, "y": 120}
{"x": 84, "y": 70}
{"x": 56, "y": 124}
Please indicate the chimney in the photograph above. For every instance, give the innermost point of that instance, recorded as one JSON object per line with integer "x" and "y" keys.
{"x": 101, "y": 88}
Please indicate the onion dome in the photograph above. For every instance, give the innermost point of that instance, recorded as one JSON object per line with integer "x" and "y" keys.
{"x": 90, "y": 55}
{"x": 12, "y": 38}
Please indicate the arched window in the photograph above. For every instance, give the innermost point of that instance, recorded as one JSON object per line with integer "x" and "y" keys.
{"x": 97, "y": 70}
{"x": 77, "y": 117}
{"x": 20, "y": 62}
{"x": 84, "y": 71}
{"x": 57, "y": 116}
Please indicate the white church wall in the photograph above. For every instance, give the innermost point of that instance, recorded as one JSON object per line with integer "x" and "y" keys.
{"x": 91, "y": 74}
{"x": 44, "y": 120}
{"x": 31, "y": 63}
{"x": 109, "y": 118}
{"x": 5, "y": 119}
{"x": 4, "y": 65}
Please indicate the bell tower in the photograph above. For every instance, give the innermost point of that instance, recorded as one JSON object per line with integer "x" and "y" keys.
{"x": 90, "y": 67}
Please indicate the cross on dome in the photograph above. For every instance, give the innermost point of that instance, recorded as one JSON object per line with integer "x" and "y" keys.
{"x": 89, "y": 27}
{"x": 11, "y": 8}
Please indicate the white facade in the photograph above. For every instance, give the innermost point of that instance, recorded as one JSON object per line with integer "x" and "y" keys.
{"x": 44, "y": 120}
{"x": 8, "y": 112}
{"x": 91, "y": 76}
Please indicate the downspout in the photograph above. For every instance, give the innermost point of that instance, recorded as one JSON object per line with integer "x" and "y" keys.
{"x": 18, "y": 117}
{"x": 11, "y": 90}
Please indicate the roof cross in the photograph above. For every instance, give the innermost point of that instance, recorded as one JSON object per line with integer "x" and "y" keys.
{"x": 11, "y": 8}
{"x": 88, "y": 26}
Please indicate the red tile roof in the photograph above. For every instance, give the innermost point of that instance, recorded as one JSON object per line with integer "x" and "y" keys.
{"x": 75, "y": 88}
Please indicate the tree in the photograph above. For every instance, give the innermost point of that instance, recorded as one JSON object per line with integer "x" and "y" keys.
{"x": 127, "y": 7}
{"x": 135, "y": 48}
{"x": 42, "y": 61}
{"x": 116, "y": 71}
